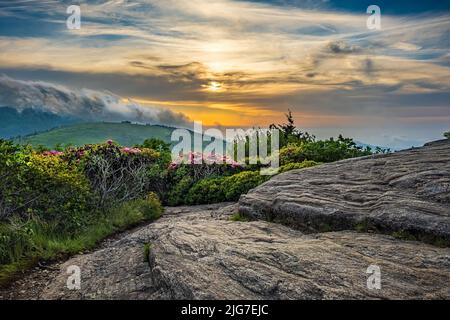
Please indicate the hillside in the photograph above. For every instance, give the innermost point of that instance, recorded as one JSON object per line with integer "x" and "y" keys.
{"x": 127, "y": 134}
{"x": 14, "y": 123}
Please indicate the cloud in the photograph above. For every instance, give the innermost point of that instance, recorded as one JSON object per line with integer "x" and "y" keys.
{"x": 343, "y": 47}
{"x": 321, "y": 62}
{"x": 84, "y": 104}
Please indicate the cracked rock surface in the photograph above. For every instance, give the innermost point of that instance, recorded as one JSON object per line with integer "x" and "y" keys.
{"x": 198, "y": 253}
{"x": 406, "y": 192}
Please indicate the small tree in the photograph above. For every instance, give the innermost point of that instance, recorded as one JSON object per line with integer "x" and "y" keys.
{"x": 289, "y": 132}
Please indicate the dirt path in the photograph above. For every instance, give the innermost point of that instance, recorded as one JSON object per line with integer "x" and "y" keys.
{"x": 31, "y": 284}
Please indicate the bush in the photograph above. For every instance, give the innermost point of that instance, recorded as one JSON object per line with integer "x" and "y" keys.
{"x": 115, "y": 174}
{"x": 63, "y": 198}
{"x": 206, "y": 191}
{"x": 44, "y": 186}
{"x": 156, "y": 144}
{"x": 177, "y": 195}
{"x": 447, "y": 135}
{"x": 15, "y": 242}
{"x": 214, "y": 190}
{"x": 150, "y": 207}
{"x": 322, "y": 151}
{"x": 241, "y": 183}
{"x": 298, "y": 165}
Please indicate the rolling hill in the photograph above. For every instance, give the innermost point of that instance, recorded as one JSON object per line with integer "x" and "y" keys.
{"x": 14, "y": 123}
{"x": 124, "y": 133}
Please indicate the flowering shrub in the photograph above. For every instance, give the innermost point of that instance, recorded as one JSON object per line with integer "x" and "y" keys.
{"x": 43, "y": 186}
{"x": 201, "y": 158}
{"x": 49, "y": 199}
{"x": 116, "y": 174}
{"x": 53, "y": 153}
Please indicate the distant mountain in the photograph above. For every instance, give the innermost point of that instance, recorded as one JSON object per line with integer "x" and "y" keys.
{"x": 14, "y": 123}
{"x": 373, "y": 147}
{"x": 124, "y": 133}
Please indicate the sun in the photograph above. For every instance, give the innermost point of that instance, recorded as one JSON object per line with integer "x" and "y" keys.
{"x": 214, "y": 86}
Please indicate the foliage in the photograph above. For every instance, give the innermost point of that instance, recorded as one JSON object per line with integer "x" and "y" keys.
{"x": 241, "y": 183}
{"x": 447, "y": 135}
{"x": 155, "y": 144}
{"x": 31, "y": 241}
{"x": 238, "y": 217}
{"x": 213, "y": 190}
{"x": 289, "y": 132}
{"x": 322, "y": 151}
{"x": 43, "y": 186}
{"x": 298, "y": 165}
{"x": 182, "y": 177}
{"x": 116, "y": 174}
{"x": 178, "y": 193}
{"x": 15, "y": 241}
{"x": 147, "y": 251}
{"x": 206, "y": 191}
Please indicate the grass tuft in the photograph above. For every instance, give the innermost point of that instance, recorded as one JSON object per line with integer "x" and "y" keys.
{"x": 239, "y": 217}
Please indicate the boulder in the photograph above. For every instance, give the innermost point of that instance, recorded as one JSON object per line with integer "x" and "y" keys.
{"x": 405, "y": 193}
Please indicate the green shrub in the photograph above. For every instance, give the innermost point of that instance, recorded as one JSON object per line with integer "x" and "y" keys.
{"x": 322, "y": 151}
{"x": 214, "y": 190}
{"x": 63, "y": 195}
{"x": 156, "y": 144}
{"x": 241, "y": 183}
{"x": 15, "y": 242}
{"x": 177, "y": 194}
{"x": 447, "y": 135}
{"x": 44, "y": 186}
{"x": 150, "y": 207}
{"x": 298, "y": 165}
{"x": 206, "y": 191}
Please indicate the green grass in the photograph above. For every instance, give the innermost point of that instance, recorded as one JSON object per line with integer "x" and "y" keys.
{"x": 126, "y": 134}
{"x": 239, "y": 217}
{"x": 50, "y": 247}
{"x": 147, "y": 249}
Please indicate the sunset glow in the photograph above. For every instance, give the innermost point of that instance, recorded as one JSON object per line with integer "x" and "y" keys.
{"x": 244, "y": 63}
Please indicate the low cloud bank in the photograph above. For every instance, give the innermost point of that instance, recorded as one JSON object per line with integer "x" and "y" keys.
{"x": 86, "y": 104}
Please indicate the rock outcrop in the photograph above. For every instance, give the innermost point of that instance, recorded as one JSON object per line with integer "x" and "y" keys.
{"x": 199, "y": 253}
{"x": 406, "y": 193}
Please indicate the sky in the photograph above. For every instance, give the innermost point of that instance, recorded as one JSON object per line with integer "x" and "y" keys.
{"x": 233, "y": 63}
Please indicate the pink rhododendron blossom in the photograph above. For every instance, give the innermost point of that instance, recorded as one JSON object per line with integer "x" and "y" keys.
{"x": 53, "y": 153}
{"x": 131, "y": 150}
